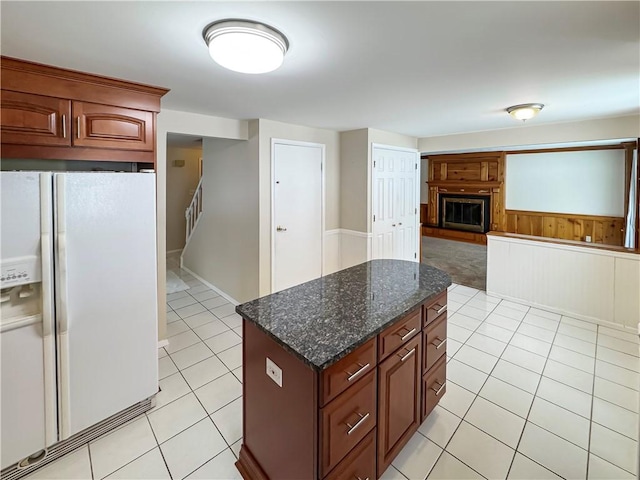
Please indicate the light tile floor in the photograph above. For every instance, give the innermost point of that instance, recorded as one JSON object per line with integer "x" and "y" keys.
{"x": 530, "y": 395}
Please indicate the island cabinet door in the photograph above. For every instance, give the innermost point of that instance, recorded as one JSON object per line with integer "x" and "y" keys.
{"x": 399, "y": 378}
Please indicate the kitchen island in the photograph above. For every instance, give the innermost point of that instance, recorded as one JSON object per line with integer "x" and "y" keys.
{"x": 339, "y": 372}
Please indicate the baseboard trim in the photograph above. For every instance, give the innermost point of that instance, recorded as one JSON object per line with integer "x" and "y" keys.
{"x": 560, "y": 311}
{"x": 212, "y": 287}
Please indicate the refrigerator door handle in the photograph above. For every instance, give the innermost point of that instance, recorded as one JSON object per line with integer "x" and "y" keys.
{"x": 47, "y": 291}
{"x": 61, "y": 221}
{"x": 63, "y": 318}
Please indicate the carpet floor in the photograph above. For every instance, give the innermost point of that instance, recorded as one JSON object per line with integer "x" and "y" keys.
{"x": 465, "y": 262}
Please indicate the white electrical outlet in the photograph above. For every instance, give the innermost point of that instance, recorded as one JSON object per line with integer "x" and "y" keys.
{"x": 274, "y": 372}
{"x": 587, "y": 238}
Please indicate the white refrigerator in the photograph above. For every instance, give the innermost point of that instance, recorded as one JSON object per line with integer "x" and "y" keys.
{"x": 78, "y": 324}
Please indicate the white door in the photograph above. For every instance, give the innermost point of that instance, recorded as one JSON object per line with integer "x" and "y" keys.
{"x": 297, "y": 213}
{"x": 106, "y": 295}
{"x": 395, "y": 203}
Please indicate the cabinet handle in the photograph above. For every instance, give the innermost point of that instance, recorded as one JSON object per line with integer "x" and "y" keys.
{"x": 440, "y": 309}
{"x": 354, "y": 375}
{"x": 442, "y": 342}
{"x": 407, "y": 355}
{"x": 406, "y": 335}
{"x": 443, "y": 190}
{"x": 441, "y": 386}
{"x": 393, "y": 224}
{"x": 359, "y": 478}
{"x": 352, "y": 428}
{"x": 78, "y": 127}
{"x": 64, "y": 126}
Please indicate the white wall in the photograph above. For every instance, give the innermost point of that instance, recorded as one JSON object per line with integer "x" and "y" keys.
{"x": 181, "y": 181}
{"x": 268, "y": 129}
{"x": 224, "y": 247}
{"x": 354, "y": 161}
{"x": 587, "y": 182}
{"x": 172, "y": 121}
{"x": 531, "y": 134}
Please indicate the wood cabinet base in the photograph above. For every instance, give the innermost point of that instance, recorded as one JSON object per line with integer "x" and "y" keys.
{"x": 248, "y": 466}
{"x": 471, "y": 237}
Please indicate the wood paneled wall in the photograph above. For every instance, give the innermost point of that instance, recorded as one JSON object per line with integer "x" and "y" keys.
{"x": 607, "y": 230}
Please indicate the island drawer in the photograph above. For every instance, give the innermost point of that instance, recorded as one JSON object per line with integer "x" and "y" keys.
{"x": 436, "y": 308}
{"x": 434, "y": 386}
{"x": 359, "y": 463}
{"x": 435, "y": 342}
{"x": 400, "y": 333}
{"x": 340, "y": 376}
{"x": 347, "y": 420}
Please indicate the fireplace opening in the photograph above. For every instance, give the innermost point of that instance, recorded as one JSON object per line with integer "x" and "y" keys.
{"x": 465, "y": 212}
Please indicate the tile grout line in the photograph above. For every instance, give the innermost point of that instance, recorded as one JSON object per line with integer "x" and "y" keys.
{"x": 535, "y": 395}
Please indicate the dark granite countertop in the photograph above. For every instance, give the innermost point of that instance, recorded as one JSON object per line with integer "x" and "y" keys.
{"x": 325, "y": 319}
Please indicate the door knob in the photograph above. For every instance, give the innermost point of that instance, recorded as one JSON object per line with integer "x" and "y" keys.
{"x": 281, "y": 229}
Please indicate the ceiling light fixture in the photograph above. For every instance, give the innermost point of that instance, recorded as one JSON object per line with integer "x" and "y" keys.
{"x": 525, "y": 111}
{"x": 245, "y": 46}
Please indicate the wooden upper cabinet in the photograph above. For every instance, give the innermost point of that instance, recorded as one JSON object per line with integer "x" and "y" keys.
{"x": 55, "y": 113}
{"x": 29, "y": 119}
{"x": 103, "y": 126}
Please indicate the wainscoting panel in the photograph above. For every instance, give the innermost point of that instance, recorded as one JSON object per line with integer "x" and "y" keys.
{"x": 565, "y": 226}
{"x": 582, "y": 282}
{"x": 355, "y": 247}
{"x": 331, "y": 251}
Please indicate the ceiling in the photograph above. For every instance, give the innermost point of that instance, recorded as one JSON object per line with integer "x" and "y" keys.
{"x": 418, "y": 68}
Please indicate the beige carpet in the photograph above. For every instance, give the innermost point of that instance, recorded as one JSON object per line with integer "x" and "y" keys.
{"x": 465, "y": 262}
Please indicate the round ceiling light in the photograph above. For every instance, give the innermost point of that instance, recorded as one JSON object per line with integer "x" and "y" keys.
{"x": 525, "y": 111}
{"x": 245, "y": 46}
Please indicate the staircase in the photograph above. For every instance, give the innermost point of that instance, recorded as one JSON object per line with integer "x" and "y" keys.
{"x": 193, "y": 212}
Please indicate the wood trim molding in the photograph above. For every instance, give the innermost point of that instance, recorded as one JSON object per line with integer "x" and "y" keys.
{"x": 567, "y": 149}
{"x": 28, "y": 77}
{"x": 561, "y": 215}
{"x": 559, "y": 241}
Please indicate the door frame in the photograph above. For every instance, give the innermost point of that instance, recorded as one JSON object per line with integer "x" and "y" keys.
{"x": 417, "y": 186}
{"x": 296, "y": 143}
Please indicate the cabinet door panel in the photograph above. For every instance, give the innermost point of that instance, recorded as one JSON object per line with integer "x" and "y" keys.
{"x": 398, "y": 400}
{"x": 104, "y": 126}
{"x": 35, "y": 120}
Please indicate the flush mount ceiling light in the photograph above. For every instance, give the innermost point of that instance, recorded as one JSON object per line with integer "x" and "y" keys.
{"x": 245, "y": 46}
{"x": 525, "y": 111}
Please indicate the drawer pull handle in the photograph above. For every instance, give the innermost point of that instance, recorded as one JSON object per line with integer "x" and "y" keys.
{"x": 407, "y": 355}
{"x": 406, "y": 335}
{"x": 352, "y": 428}
{"x": 64, "y": 126}
{"x": 354, "y": 375}
{"x": 441, "y": 386}
{"x": 442, "y": 342}
{"x": 78, "y": 127}
{"x": 440, "y": 309}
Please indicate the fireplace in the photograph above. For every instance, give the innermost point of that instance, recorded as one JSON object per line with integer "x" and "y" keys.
{"x": 465, "y": 212}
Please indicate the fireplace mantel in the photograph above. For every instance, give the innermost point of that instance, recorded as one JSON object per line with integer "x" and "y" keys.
{"x": 472, "y": 174}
